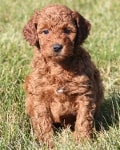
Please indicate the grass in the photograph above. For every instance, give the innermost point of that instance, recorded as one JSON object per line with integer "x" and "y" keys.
{"x": 15, "y": 55}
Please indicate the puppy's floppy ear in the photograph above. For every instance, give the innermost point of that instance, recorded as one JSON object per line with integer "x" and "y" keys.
{"x": 30, "y": 31}
{"x": 83, "y": 27}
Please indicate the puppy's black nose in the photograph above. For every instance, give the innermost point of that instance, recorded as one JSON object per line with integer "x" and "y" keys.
{"x": 57, "y": 47}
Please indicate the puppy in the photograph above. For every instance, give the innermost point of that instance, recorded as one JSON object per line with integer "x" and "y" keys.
{"x": 64, "y": 86}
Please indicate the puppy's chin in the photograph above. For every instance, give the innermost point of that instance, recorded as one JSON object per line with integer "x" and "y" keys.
{"x": 58, "y": 58}
{"x": 61, "y": 58}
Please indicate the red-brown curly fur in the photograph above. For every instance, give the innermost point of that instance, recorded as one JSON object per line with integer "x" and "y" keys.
{"x": 64, "y": 85}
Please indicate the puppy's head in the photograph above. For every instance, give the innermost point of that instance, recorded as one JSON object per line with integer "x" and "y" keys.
{"x": 56, "y": 31}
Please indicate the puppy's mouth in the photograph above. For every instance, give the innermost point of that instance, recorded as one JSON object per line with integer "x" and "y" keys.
{"x": 58, "y": 56}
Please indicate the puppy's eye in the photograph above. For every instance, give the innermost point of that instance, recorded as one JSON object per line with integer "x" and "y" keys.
{"x": 45, "y": 31}
{"x": 67, "y": 31}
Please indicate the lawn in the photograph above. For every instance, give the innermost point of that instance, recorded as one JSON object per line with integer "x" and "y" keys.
{"x": 103, "y": 44}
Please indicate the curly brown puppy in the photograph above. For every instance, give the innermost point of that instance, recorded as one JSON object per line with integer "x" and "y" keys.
{"x": 64, "y": 85}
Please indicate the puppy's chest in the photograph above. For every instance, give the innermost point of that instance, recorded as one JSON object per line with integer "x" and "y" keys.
{"x": 63, "y": 102}
{"x": 63, "y": 83}
{"x": 59, "y": 79}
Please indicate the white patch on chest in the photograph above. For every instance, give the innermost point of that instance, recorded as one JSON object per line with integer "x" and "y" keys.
{"x": 60, "y": 90}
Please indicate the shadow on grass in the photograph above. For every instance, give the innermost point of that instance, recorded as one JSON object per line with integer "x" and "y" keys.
{"x": 110, "y": 112}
